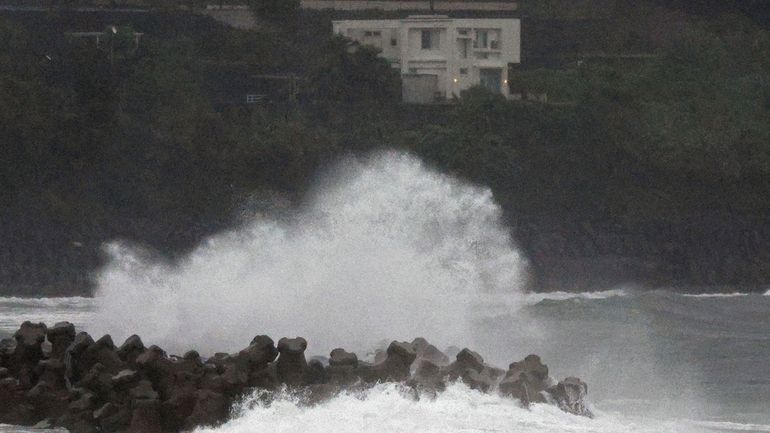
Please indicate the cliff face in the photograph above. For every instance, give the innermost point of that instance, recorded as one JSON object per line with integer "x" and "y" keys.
{"x": 723, "y": 252}
{"x": 704, "y": 250}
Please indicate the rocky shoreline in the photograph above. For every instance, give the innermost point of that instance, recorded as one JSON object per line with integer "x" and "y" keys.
{"x": 55, "y": 377}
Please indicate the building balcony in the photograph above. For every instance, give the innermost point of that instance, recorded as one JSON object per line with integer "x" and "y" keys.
{"x": 424, "y": 57}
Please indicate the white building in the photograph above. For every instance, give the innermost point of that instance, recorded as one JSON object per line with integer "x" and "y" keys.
{"x": 440, "y": 56}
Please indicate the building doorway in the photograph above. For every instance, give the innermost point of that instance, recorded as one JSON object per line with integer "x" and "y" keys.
{"x": 491, "y": 79}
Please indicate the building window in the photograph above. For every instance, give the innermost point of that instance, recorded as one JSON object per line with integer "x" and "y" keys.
{"x": 464, "y": 43}
{"x": 463, "y": 71}
{"x": 430, "y": 39}
{"x": 482, "y": 39}
{"x": 393, "y": 42}
{"x": 495, "y": 45}
{"x": 372, "y": 33}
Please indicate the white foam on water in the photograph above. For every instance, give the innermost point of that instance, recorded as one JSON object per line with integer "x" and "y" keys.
{"x": 14, "y": 311}
{"x": 726, "y": 426}
{"x": 716, "y": 295}
{"x": 386, "y": 249}
{"x": 72, "y": 301}
{"x": 5, "y": 428}
{"x": 385, "y": 409}
{"x": 534, "y": 298}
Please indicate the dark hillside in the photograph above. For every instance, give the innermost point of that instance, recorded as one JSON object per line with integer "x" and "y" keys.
{"x": 651, "y": 169}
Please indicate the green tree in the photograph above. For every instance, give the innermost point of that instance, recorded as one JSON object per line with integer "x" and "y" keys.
{"x": 344, "y": 71}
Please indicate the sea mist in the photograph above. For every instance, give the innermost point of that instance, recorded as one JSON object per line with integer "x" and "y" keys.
{"x": 386, "y": 248}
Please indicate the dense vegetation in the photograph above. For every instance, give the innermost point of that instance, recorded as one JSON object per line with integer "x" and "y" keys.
{"x": 124, "y": 141}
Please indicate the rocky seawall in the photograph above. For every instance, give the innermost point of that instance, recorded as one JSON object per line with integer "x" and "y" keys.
{"x": 55, "y": 377}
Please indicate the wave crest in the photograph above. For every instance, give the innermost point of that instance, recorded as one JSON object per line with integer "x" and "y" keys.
{"x": 388, "y": 249}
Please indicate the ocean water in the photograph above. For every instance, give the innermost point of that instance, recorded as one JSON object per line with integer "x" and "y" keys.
{"x": 388, "y": 249}
{"x": 654, "y": 361}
